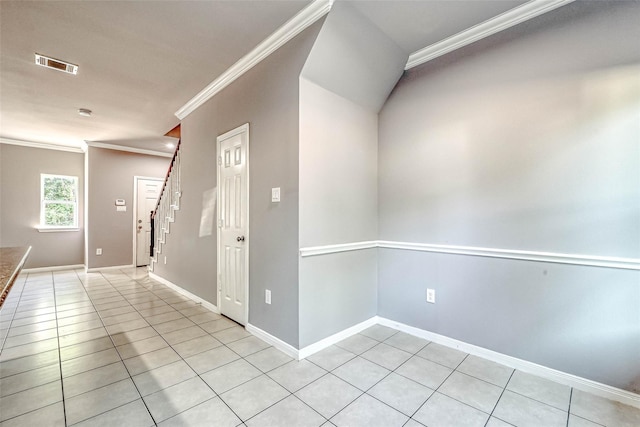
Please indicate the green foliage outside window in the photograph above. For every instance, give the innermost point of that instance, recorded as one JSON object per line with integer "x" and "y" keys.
{"x": 59, "y": 200}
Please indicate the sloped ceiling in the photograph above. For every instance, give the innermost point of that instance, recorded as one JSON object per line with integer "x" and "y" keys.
{"x": 140, "y": 61}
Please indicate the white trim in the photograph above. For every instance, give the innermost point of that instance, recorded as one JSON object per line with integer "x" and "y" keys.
{"x": 129, "y": 149}
{"x": 551, "y": 257}
{"x": 42, "y": 145}
{"x": 287, "y": 349}
{"x": 43, "y": 229}
{"x": 337, "y": 337}
{"x": 243, "y": 129}
{"x": 491, "y": 26}
{"x": 311, "y": 349}
{"x": 54, "y": 268}
{"x": 85, "y": 208}
{"x": 206, "y": 304}
{"x": 583, "y": 384}
{"x": 306, "y": 17}
{"x": 332, "y": 249}
{"x": 111, "y": 267}
{"x": 136, "y": 178}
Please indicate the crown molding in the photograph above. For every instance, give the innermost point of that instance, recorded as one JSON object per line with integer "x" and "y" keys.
{"x": 43, "y": 145}
{"x": 129, "y": 149}
{"x": 307, "y": 16}
{"x": 491, "y": 26}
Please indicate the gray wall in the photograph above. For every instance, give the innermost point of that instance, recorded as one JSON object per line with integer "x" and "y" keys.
{"x": 338, "y": 204}
{"x": 527, "y": 140}
{"x": 20, "y": 169}
{"x": 338, "y": 168}
{"x": 110, "y": 177}
{"x": 267, "y": 97}
{"x": 354, "y": 58}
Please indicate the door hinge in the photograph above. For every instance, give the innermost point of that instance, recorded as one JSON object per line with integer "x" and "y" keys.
{"x": 220, "y": 223}
{"x": 220, "y": 160}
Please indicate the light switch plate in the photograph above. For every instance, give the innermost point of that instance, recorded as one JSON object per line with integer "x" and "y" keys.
{"x": 275, "y": 194}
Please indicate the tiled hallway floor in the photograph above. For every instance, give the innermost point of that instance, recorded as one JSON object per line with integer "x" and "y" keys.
{"x": 119, "y": 349}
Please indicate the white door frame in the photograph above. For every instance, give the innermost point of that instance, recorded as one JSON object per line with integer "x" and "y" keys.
{"x": 134, "y": 213}
{"x": 240, "y": 129}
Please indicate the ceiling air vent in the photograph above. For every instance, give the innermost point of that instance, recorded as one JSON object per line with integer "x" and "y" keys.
{"x": 56, "y": 64}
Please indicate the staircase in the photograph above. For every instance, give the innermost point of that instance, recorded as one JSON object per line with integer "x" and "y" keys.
{"x": 168, "y": 204}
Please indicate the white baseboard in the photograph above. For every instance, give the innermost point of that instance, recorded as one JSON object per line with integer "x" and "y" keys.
{"x": 112, "y": 267}
{"x": 330, "y": 340}
{"x": 287, "y": 349}
{"x": 206, "y": 304}
{"x": 307, "y": 351}
{"x": 593, "y": 387}
{"x": 54, "y": 268}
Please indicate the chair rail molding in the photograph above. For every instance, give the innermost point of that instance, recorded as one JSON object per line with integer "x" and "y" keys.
{"x": 552, "y": 257}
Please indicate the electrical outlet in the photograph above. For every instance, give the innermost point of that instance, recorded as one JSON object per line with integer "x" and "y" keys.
{"x": 431, "y": 296}
{"x": 99, "y": 251}
{"x": 267, "y": 296}
{"x": 165, "y": 260}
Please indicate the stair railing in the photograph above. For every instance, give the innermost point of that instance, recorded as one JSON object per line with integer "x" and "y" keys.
{"x": 169, "y": 201}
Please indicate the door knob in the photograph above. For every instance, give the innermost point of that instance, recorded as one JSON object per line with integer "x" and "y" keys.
{"x": 240, "y": 239}
{"x": 139, "y": 227}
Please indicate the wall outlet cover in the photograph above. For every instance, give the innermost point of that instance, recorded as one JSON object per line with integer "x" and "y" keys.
{"x": 99, "y": 251}
{"x": 267, "y": 296}
{"x": 431, "y": 296}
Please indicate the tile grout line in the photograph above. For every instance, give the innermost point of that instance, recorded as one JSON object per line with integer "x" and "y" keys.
{"x": 168, "y": 345}
{"x": 36, "y": 409}
{"x": 499, "y": 398}
{"x": 569, "y": 408}
{"x": 216, "y": 395}
{"x": 13, "y": 315}
{"x": 115, "y": 347}
{"x": 382, "y": 379}
{"x": 437, "y": 388}
{"x": 64, "y": 403}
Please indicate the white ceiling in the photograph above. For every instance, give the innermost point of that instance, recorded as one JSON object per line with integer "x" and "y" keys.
{"x": 140, "y": 61}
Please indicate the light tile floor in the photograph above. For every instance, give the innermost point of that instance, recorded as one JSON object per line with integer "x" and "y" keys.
{"x": 119, "y": 349}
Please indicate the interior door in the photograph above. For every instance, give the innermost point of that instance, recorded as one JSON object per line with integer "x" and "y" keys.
{"x": 233, "y": 214}
{"x": 148, "y": 191}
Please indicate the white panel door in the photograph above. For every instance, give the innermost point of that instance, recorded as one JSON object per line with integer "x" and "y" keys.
{"x": 148, "y": 191}
{"x": 233, "y": 215}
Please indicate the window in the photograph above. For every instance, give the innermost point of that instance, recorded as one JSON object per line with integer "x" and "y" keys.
{"x": 59, "y": 201}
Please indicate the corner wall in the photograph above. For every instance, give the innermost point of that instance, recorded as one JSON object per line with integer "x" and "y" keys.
{"x": 350, "y": 71}
{"x": 527, "y": 140}
{"x": 110, "y": 177}
{"x": 338, "y": 202}
{"x": 20, "y": 169}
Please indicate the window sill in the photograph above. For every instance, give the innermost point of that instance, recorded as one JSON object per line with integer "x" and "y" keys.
{"x": 42, "y": 229}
